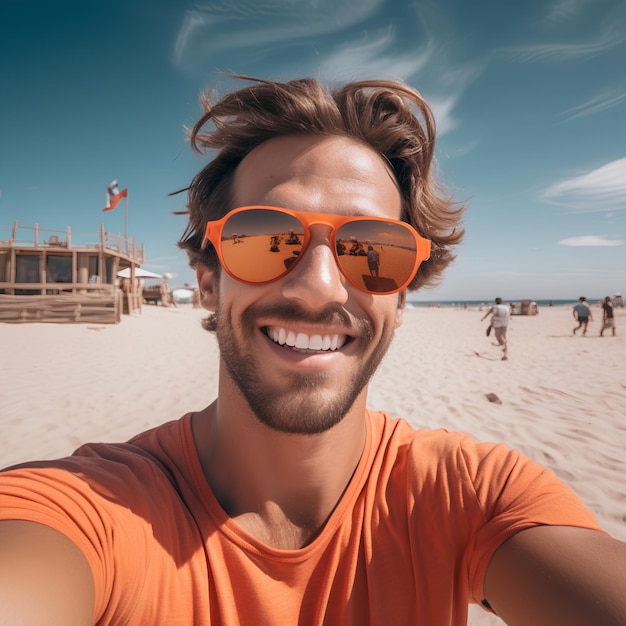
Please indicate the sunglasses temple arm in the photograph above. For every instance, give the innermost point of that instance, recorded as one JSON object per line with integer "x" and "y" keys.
{"x": 207, "y": 236}
{"x": 427, "y": 246}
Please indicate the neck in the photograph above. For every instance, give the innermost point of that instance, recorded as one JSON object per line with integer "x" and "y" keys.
{"x": 279, "y": 487}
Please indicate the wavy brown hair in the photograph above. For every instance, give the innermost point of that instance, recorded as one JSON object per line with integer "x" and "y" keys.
{"x": 389, "y": 116}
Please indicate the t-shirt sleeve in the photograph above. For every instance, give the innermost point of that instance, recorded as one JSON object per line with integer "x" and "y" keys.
{"x": 81, "y": 502}
{"x": 513, "y": 493}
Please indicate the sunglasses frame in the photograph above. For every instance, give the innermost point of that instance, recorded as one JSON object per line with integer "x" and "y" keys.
{"x": 215, "y": 228}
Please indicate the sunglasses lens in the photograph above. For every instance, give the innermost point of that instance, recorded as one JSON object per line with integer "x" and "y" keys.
{"x": 377, "y": 256}
{"x": 259, "y": 245}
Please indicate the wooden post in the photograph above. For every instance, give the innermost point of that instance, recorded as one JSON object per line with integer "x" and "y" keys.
{"x": 12, "y": 274}
{"x": 101, "y": 255}
{"x": 82, "y": 271}
{"x": 74, "y": 270}
{"x": 126, "y": 225}
{"x": 43, "y": 269}
{"x": 133, "y": 290}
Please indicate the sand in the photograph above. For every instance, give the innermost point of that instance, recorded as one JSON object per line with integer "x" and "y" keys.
{"x": 560, "y": 399}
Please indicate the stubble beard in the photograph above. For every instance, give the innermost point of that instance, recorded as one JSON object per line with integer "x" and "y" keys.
{"x": 306, "y": 404}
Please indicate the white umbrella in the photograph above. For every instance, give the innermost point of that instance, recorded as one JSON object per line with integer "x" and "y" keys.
{"x": 182, "y": 295}
{"x": 139, "y": 273}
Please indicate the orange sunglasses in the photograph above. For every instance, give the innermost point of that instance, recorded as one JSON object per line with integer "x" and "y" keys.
{"x": 260, "y": 244}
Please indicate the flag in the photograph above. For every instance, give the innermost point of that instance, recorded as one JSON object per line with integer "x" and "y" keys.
{"x": 114, "y": 195}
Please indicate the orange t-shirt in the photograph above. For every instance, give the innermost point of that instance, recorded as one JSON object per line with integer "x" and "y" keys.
{"x": 408, "y": 543}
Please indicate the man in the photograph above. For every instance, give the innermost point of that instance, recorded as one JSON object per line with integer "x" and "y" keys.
{"x": 286, "y": 501}
{"x": 582, "y": 313}
{"x": 373, "y": 260}
{"x": 608, "y": 317}
{"x": 500, "y": 316}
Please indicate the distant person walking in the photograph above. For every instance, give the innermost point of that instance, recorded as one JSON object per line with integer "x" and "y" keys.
{"x": 373, "y": 260}
{"x": 500, "y": 316}
{"x": 608, "y": 321}
{"x": 582, "y": 313}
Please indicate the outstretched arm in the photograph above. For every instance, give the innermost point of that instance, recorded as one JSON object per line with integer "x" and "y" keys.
{"x": 486, "y": 314}
{"x": 44, "y": 577}
{"x": 558, "y": 575}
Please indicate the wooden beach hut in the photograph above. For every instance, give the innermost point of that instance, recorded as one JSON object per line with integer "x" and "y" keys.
{"x": 65, "y": 276}
{"x": 525, "y": 307}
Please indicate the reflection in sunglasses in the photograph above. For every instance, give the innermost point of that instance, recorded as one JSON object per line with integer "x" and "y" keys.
{"x": 376, "y": 255}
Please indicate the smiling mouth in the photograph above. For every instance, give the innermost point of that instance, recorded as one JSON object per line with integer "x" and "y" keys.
{"x": 303, "y": 341}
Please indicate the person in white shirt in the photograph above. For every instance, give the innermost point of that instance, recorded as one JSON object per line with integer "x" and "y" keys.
{"x": 501, "y": 313}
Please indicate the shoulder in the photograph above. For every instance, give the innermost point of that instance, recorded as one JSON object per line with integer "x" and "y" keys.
{"x": 160, "y": 450}
{"x": 436, "y": 454}
{"x": 438, "y": 444}
{"x": 100, "y": 485}
{"x": 148, "y": 458}
{"x": 500, "y": 480}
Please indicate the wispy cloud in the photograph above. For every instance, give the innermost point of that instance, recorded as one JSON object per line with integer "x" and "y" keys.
{"x": 598, "y": 104}
{"x": 374, "y": 56}
{"x": 600, "y": 241}
{"x": 602, "y": 189}
{"x": 557, "y": 52}
{"x": 218, "y": 27}
{"x": 566, "y": 10}
{"x": 371, "y": 56}
{"x": 609, "y": 28}
{"x": 262, "y": 33}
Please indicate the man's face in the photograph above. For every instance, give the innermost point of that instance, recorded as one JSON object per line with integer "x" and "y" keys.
{"x": 340, "y": 333}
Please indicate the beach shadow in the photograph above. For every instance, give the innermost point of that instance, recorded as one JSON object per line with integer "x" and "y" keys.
{"x": 378, "y": 283}
{"x": 488, "y": 357}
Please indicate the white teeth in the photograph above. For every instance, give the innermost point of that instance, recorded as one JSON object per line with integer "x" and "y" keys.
{"x": 302, "y": 341}
{"x": 315, "y": 342}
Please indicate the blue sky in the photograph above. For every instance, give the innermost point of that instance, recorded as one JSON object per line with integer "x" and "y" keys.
{"x": 530, "y": 101}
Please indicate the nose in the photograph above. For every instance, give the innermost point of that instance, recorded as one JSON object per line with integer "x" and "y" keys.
{"x": 316, "y": 280}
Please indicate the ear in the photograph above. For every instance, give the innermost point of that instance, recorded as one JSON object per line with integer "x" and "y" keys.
{"x": 400, "y": 309}
{"x": 208, "y": 285}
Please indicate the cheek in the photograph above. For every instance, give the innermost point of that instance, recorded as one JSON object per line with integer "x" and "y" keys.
{"x": 384, "y": 312}
{"x": 234, "y": 298}
{"x": 399, "y": 316}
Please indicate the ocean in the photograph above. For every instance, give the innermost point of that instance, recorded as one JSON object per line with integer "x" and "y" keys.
{"x": 476, "y": 304}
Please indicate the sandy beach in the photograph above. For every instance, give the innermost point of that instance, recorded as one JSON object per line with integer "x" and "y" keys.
{"x": 560, "y": 399}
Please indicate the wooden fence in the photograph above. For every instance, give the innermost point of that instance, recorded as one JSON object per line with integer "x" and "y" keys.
{"x": 94, "y": 308}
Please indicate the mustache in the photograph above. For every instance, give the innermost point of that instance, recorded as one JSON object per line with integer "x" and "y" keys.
{"x": 331, "y": 315}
